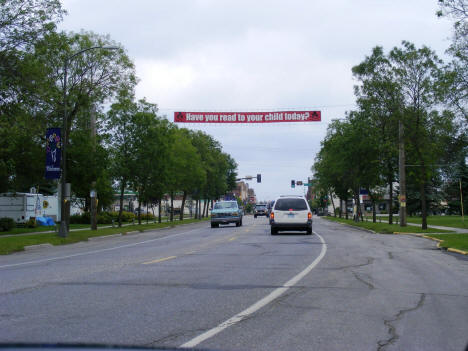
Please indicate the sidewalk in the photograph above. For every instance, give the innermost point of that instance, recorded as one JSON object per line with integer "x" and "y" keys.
{"x": 457, "y": 230}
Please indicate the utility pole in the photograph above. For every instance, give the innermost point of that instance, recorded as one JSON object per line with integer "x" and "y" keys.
{"x": 93, "y": 194}
{"x": 402, "y": 173}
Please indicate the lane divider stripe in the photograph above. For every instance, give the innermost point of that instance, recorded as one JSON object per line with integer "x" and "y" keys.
{"x": 260, "y": 303}
{"x": 160, "y": 260}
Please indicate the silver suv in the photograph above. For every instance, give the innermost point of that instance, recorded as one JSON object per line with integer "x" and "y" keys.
{"x": 291, "y": 213}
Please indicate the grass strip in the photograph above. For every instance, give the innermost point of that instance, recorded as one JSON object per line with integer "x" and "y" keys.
{"x": 455, "y": 241}
{"x": 20, "y": 230}
{"x": 385, "y": 228}
{"x": 444, "y": 221}
{"x": 13, "y": 244}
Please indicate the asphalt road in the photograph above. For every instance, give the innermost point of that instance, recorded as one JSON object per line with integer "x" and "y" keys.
{"x": 240, "y": 289}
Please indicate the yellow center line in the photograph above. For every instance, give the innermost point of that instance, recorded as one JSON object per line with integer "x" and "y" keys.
{"x": 232, "y": 239}
{"x": 160, "y": 260}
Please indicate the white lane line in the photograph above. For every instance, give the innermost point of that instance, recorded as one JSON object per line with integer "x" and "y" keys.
{"x": 260, "y": 303}
{"x": 94, "y": 251}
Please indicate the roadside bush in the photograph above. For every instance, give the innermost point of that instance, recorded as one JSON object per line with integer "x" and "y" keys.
{"x": 31, "y": 223}
{"x": 7, "y": 224}
{"x": 145, "y": 216}
{"x": 126, "y": 216}
{"x": 83, "y": 218}
{"x": 104, "y": 218}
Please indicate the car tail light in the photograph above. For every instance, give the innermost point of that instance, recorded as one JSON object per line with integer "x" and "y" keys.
{"x": 272, "y": 215}
{"x": 309, "y": 215}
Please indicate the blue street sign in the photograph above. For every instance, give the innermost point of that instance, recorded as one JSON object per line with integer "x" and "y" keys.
{"x": 53, "y": 153}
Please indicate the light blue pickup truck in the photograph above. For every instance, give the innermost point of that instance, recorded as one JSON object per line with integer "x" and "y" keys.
{"x": 225, "y": 212}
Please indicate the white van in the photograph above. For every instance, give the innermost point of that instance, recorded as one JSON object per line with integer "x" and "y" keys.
{"x": 291, "y": 213}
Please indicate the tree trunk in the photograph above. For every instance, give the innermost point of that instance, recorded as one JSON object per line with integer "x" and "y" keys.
{"x": 122, "y": 190}
{"x": 357, "y": 204}
{"x": 159, "y": 210}
{"x": 199, "y": 209}
{"x": 346, "y": 207}
{"x": 204, "y": 208}
{"x": 390, "y": 200}
{"x": 333, "y": 203}
{"x": 172, "y": 206}
{"x": 147, "y": 212}
{"x": 341, "y": 208}
{"x": 374, "y": 212}
{"x": 207, "y": 208}
{"x": 182, "y": 207}
{"x": 139, "y": 210}
{"x": 422, "y": 191}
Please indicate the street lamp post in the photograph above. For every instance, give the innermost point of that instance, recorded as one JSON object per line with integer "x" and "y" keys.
{"x": 63, "y": 231}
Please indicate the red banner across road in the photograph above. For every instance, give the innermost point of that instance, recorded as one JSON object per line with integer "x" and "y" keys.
{"x": 247, "y": 117}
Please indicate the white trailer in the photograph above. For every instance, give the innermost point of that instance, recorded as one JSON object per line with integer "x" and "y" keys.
{"x": 22, "y": 206}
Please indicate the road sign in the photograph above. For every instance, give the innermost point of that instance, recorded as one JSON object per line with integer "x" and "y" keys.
{"x": 293, "y": 184}
{"x": 307, "y": 184}
{"x": 299, "y": 182}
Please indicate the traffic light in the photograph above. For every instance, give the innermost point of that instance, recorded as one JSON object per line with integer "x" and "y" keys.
{"x": 293, "y": 184}
{"x": 259, "y": 178}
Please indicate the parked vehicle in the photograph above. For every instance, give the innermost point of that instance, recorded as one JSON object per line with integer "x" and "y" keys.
{"x": 226, "y": 212}
{"x": 291, "y": 213}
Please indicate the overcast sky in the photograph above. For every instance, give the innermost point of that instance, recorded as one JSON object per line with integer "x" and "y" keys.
{"x": 258, "y": 56}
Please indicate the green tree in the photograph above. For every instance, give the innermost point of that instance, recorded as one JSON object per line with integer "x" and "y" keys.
{"x": 416, "y": 72}
{"x": 379, "y": 97}
{"x": 187, "y": 173}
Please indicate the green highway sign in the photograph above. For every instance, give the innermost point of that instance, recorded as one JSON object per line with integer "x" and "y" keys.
{"x": 308, "y": 184}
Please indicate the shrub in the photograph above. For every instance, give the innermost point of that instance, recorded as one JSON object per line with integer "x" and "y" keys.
{"x": 104, "y": 218}
{"x": 126, "y": 216}
{"x": 83, "y": 218}
{"x": 145, "y": 216}
{"x": 7, "y": 224}
{"x": 31, "y": 223}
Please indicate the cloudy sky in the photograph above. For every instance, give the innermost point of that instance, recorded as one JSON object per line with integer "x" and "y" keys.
{"x": 219, "y": 55}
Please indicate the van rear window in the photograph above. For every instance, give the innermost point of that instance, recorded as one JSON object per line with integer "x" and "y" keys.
{"x": 290, "y": 204}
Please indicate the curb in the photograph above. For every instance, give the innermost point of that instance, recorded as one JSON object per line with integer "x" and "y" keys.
{"x": 38, "y": 246}
{"x": 134, "y": 232}
{"x": 96, "y": 238}
{"x": 457, "y": 251}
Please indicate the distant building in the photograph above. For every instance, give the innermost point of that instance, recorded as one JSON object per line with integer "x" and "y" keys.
{"x": 252, "y": 198}
{"x": 241, "y": 191}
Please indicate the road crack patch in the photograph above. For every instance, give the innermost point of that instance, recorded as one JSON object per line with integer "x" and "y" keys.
{"x": 369, "y": 261}
{"x": 359, "y": 278}
{"x": 382, "y": 344}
